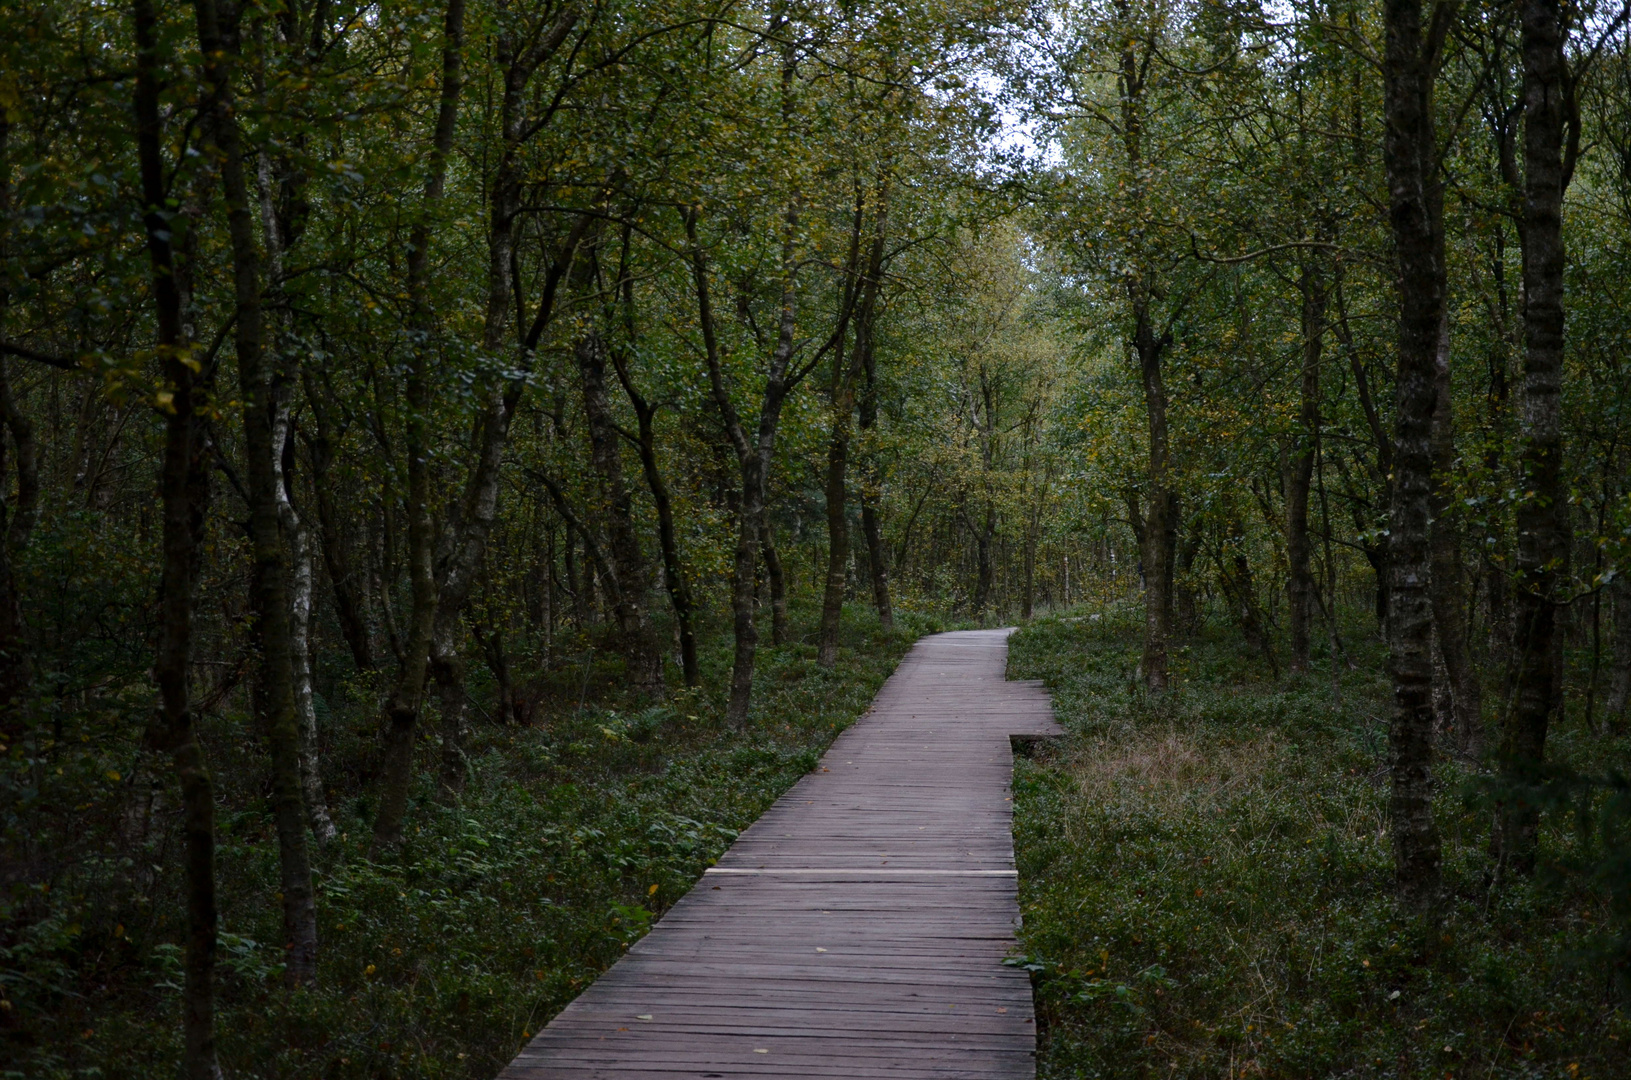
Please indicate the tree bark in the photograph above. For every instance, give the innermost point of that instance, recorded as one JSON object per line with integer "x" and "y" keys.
{"x": 1618, "y": 698}
{"x": 753, "y": 455}
{"x": 679, "y": 590}
{"x": 16, "y": 524}
{"x": 780, "y": 631}
{"x": 841, "y": 403}
{"x": 837, "y": 580}
{"x": 184, "y": 494}
{"x": 866, "y": 351}
{"x": 463, "y": 542}
{"x": 1416, "y": 206}
{"x": 403, "y": 703}
{"x": 347, "y": 581}
{"x": 632, "y": 578}
{"x": 275, "y": 697}
{"x": 1542, "y": 512}
{"x": 294, "y": 529}
{"x": 1160, "y": 535}
{"x": 300, "y": 611}
{"x": 1300, "y": 473}
{"x": 16, "y": 519}
{"x": 1464, "y": 722}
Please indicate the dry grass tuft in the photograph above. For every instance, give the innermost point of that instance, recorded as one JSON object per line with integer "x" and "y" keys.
{"x": 1166, "y": 768}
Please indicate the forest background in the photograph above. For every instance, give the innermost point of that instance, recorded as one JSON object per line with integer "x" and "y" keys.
{"x": 462, "y": 461}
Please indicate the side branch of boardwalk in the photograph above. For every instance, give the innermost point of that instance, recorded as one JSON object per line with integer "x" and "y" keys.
{"x": 858, "y": 928}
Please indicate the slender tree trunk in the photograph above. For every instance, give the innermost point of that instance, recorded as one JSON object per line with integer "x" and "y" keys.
{"x": 1161, "y": 516}
{"x": 1028, "y": 601}
{"x": 753, "y": 455}
{"x": 292, "y": 525}
{"x": 1464, "y": 721}
{"x": 16, "y": 519}
{"x": 300, "y": 611}
{"x": 877, "y": 561}
{"x": 403, "y": 704}
{"x": 632, "y": 582}
{"x": 1497, "y": 577}
{"x": 841, "y": 400}
{"x": 1300, "y": 472}
{"x": 464, "y": 540}
{"x": 346, "y": 579}
{"x": 984, "y": 573}
{"x": 832, "y": 599}
{"x": 1542, "y": 519}
{"x": 269, "y": 577}
{"x": 1411, "y": 153}
{"x": 16, "y": 525}
{"x": 866, "y": 353}
{"x": 1618, "y": 698}
{"x": 780, "y": 631}
{"x": 184, "y": 493}
{"x": 679, "y": 591}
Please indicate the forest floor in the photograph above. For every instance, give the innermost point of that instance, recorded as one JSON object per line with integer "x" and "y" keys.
{"x": 1206, "y": 884}
{"x": 573, "y": 836}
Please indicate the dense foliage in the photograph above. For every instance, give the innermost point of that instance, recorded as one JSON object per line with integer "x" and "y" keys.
{"x": 439, "y": 419}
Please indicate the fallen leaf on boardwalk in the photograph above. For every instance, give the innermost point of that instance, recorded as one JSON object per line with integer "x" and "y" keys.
{"x": 820, "y": 949}
{"x": 761, "y": 1051}
{"x": 643, "y": 1016}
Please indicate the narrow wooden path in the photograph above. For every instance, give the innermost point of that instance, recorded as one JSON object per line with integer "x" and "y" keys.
{"x": 858, "y": 928}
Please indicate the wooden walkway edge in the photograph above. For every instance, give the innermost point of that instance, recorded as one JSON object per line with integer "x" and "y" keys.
{"x": 858, "y": 928}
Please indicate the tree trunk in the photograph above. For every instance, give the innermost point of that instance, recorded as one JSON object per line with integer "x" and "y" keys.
{"x": 780, "y": 632}
{"x": 1161, "y": 517}
{"x": 464, "y": 540}
{"x": 866, "y": 352}
{"x": 1028, "y": 601}
{"x": 632, "y": 583}
{"x": 1300, "y": 471}
{"x": 403, "y": 704}
{"x": 294, "y": 529}
{"x": 1464, "y": 721}
{"x": 1416, "y": 200}
{"x": 1618, "y": 699}
{"x": 16, "y": 520}
{"x": 346, "y": 580}
{"x": 984, "y": 572}
{"x": 679, "y": 591}
{"x": 184, "y": 493}
{"x": 753, "y": 456}
{"x": 275, "y": 696}
{"x": 300, "y": 610}
{"x": 832, "y": 598}
{"x": 16, "y": 525}
{"x": 1542, "y": 519}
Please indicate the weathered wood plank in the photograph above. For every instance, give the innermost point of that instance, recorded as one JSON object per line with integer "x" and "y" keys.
{"x": 858, "y": 928}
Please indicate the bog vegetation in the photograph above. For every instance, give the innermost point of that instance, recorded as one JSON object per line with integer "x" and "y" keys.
{"x": 460, "y": 459}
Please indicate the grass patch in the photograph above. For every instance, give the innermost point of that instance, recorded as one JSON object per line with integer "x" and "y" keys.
{"x": 1206, "y": 886}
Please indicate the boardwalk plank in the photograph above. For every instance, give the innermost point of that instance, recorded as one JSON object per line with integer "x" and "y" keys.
{"x": 858, "y": 928}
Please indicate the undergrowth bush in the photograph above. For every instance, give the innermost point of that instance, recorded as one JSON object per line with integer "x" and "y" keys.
{"x": 442, "y": 960}
{"x": 1206, "y": 884}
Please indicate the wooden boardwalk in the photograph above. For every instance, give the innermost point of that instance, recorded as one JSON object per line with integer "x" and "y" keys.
{"x": 858, "y": 928}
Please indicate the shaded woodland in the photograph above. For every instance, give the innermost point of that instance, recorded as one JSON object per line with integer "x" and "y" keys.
{"x": 461, "y": 460}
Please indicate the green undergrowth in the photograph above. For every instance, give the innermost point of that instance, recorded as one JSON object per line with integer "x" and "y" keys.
{"x": 1206, "y": 885}
{"x": 574, "y": 834}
